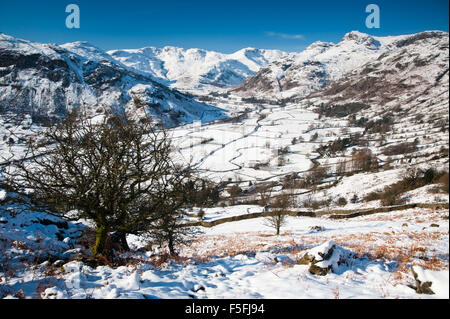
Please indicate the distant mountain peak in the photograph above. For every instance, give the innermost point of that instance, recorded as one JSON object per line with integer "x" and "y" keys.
{"x": 355, "y": 35}
{"x": 361, "y": 39}
{"x": 46, "y": 80}
{"x": 321, "y": 64}
{"x": 197, "y": 68}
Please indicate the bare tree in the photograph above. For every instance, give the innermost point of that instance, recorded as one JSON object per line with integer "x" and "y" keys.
{"x": 278, "y": 217}
{"x": 112, "y": 172}
{"x": 341, "y": 167}
{"x": 364, "y": 160}
{"x": 265, "y": 193}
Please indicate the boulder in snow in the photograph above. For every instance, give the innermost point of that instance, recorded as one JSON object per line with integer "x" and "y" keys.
{"x": 422, "y": 286}
{"x": 324, "y": 258}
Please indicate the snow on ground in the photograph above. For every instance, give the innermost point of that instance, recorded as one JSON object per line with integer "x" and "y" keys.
{"x": 215, "y": 213}
{"x": 42, "y": 256}
{"x": 240, "y": 259}
{"x": 231, "y": 150}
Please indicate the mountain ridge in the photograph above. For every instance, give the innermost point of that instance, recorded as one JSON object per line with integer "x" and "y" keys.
{"x": 322, "y": 63}
{"x": 197, "y": 68}
{"x": 48, "y": 80}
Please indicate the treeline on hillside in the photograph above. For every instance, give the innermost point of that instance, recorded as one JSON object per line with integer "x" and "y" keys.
{"x": 341, "y": 110}
{"x": 401, "y": 148}
{"x": 381, "y": 125}
{"x": 416, "y": 178}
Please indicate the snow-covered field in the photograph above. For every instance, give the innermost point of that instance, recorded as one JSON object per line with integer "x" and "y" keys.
{"x": 371, "y": 259}
{"x": 231, "y": 150}
{"x": 264, "y": 145}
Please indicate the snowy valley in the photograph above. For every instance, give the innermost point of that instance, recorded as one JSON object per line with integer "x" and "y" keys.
{"x": 353, "y": 134}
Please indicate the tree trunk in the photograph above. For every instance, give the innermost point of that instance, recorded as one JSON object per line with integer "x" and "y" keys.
{"x": 120, "y": 238}
{"x": 171, "y": 246}
{"x": 100, "y": 240}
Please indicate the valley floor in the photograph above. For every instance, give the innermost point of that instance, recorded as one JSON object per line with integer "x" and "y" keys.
{"x": 373, "y": 256}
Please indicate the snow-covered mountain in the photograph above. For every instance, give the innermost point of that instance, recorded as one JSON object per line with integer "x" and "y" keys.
{"x": 413, "y": 72}
{"x": 196, "y": 68}
{"x": 354, "y": 134}
{"x": 48, "y": 80}
{"x": 323, "y": 63}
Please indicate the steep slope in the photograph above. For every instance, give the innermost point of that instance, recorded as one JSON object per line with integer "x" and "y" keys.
{"x": 323, "y": 63}
{"x": 404, "y": 90}
{"x": 48, "y": 80}
{"x": 196, "y": 68}
{"x": 413, "y": 68}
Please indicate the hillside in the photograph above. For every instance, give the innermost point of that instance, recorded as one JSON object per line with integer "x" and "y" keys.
{"x": 321, "y": 64}
{"x": 45, "y": 80}
{"x": 197, "y": 68}
{"x": 353, "y": 136}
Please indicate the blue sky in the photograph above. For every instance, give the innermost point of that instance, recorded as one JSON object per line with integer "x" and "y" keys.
{"x": 225, "y": 26}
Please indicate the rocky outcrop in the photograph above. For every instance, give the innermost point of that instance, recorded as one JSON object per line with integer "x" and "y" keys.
{"x": 325, "y": 258}
{"x": 359, "y": 67}
{"x": 422, "y": 286}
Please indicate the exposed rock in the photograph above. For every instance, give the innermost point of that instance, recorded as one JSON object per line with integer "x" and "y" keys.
{"x": 318, "y": 271}
{"x": 323, "y": 258}
{"x": 306, "y": 259}
{"x": 198, "y": 288}
{"x": 422, "y": 287}
{"x": 327, "y": 254}
{"x": 316, "y": 228}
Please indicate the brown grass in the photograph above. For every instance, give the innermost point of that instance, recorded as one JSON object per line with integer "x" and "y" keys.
{"x": 374, "y": 247}
{"x": 336, "y": 292}
{"x": 41, "y": 287}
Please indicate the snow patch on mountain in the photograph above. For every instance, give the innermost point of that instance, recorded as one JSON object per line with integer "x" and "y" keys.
{"x": 197, "y": 68}
{"x": 49, "y": 80}
{"x": 321, "y": 63}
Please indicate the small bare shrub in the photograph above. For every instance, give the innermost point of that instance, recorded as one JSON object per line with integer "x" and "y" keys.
{"x": 342, "y": 201}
